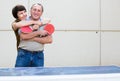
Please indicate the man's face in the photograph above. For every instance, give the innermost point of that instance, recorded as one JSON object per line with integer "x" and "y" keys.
{"x": 36, "y": 12}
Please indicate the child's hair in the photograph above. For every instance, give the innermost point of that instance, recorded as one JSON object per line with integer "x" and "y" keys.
{"x": 16, "y": 9}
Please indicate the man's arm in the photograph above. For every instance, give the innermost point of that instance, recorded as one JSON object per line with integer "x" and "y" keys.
{"x": 43, "y": 40}
{"x": 27, "y": 36}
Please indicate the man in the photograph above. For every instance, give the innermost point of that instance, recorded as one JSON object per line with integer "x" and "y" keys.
{"x": 31, "y": 47}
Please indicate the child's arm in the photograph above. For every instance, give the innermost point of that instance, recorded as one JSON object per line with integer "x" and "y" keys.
{"x": 20, "y": 24}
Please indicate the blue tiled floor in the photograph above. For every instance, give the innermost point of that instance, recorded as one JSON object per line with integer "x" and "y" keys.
{"x": 41, "y": 71}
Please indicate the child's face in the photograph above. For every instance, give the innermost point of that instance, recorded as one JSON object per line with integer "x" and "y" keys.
{"x": 22, "y": 15}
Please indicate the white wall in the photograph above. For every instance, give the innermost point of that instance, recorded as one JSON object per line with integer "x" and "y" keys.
{"x": 87, "y": 32}
{"x": 110, "y": 35}
{"x": 73, "y": 48}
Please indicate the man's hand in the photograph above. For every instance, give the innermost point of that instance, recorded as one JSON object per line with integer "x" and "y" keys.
{"x": 43, "y": 40}
{"x": 43, "y": 33}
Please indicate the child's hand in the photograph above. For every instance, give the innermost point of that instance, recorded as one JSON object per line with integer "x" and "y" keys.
{"x": 35, "y": 27}
{"x": 46, "y": 21}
